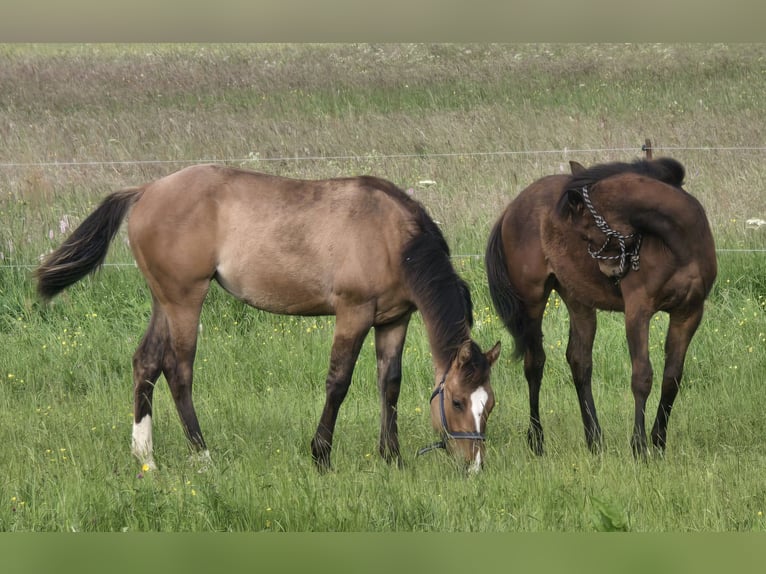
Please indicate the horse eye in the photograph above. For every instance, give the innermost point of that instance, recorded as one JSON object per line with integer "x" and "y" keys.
{"x": 457, "y": 404}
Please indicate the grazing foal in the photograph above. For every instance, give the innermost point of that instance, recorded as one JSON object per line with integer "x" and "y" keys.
{"x": 358, "y": 248}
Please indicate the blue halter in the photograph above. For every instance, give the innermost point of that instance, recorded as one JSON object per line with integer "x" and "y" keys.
{"x": 446, "y": 433}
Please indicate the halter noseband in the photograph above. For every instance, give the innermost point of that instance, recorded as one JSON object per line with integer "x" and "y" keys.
{"x": 446, "y": 433}
{"x": 603, "y": 226}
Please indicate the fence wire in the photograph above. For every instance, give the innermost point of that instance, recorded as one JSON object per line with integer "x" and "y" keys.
{"x": 256, "y": 159}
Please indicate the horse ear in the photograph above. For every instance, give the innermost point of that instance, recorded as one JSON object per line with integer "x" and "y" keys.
{"x": 571, "y": 204}
{"x": 464, "y": 354}
{"x": 493, "y": 354}
{"x": 576, "y": 167}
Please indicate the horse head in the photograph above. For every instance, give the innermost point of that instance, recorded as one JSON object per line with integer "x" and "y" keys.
{"x": 611, "y": 241}
{"x": 462, "y": 402}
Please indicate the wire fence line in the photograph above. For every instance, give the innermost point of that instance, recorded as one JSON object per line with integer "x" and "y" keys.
{"x": 256, "y": 158}
{"x": 30, "y": 266}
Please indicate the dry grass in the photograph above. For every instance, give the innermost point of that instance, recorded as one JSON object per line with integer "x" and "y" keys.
{"x": 184, "y": 103}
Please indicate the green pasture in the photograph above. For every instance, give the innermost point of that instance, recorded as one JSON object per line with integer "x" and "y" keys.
{"x": 466, "y": 127}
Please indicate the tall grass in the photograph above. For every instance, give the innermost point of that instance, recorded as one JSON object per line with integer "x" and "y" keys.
{"x": 409, "y": 113}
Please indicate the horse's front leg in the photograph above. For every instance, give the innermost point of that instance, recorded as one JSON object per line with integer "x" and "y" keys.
{"x": 680, "y": 332}
{"x": 351, "y": 327}
{"x": 389, "y": 344}
{"x": 582, "y": 332}
{"x": 637, "y": 330}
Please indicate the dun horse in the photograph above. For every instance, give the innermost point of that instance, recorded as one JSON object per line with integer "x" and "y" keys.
{"x": 357, "y": 248}
{"x": 619, "y": 237}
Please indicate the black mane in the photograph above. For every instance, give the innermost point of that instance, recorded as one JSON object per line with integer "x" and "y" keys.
{"x": 442, "y": 297}
{"x": 665, "y": 169}
{"x": 439, "y": 293}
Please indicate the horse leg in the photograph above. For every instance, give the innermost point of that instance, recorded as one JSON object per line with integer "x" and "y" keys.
{"x": 582, "y": 332}
{"x": 637, "y": 331}
{"x": 178, "y": 362}
{"x": 147, "y": 366}
{"x": 389, "y": 343}
{"x": 534, "y": 363}
{"x": 351, "y": 327}
{"x": 680, "y": 333}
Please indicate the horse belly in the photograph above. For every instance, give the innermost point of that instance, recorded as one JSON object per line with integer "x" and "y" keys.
{"x": 588, "y": 287}
{"x": 275, "y": 286}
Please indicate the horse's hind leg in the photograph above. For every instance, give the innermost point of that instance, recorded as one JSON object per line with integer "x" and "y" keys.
{"x": 147, "y": 366}
{"x": 680, "y": 333}
{"x": 389, "y": 343}
{"x": 637, "y": 332}
{"x": 534, "y": 364}
{"x": 582, "y": 332}
{"x": 351, "y": 326}
{"x": 178, "y": 361}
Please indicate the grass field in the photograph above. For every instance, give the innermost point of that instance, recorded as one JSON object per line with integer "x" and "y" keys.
{"x": 481, "y": 122}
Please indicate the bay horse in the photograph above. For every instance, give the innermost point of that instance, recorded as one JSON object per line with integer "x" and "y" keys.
{"x": 358, "y": 248}
{"x": 620, "y": 237}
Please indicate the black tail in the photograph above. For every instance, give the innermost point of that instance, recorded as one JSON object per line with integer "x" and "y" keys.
{"x": 85, "y": 250}
{"x": 508, "y": 305}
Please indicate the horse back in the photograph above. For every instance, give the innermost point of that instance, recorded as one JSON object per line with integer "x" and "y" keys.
{"x": 678, "y": 257}
{"x": 283, "y": 245}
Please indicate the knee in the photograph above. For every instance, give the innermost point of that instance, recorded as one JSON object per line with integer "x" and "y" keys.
{"x": 146, "y": 367}
{"x": 337, "y": 390}
{"x": 534, "y": 362}
{"x": 392, "y": 394}
{"x": 641, "y": 381}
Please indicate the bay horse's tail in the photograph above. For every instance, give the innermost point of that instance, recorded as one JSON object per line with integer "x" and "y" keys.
{"x": 85, "y": 249}
{"x": 507, "y": 302}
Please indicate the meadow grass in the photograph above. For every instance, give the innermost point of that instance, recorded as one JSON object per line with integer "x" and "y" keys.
{"x": 409, "y": 113}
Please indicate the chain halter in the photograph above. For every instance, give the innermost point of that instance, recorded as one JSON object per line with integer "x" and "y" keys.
{"x": 610, "y": 233}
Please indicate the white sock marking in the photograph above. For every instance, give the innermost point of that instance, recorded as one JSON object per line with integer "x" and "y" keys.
{"x": 142, "y": 441}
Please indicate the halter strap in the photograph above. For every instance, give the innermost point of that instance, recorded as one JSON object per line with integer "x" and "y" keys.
{"x": 610, "y": 233}
{"x": 439, "y": 391}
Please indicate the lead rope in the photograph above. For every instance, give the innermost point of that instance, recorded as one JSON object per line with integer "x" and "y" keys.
{"x": 610, "y": 233}
{"x": 433, "y": 446}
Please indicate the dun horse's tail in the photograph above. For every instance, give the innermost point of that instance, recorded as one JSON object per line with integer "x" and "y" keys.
{"x": 85, "y": 250}
{"x": 508, "y": 305}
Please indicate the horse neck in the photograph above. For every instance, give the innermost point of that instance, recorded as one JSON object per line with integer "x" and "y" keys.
{"x": 437, "y": 291}
{"x": 669, "y": 213}
{"x": 445, "y": 332}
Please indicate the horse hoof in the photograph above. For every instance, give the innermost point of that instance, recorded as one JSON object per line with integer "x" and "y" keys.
{"x": 596, "y": 447}
{"x": 201, "y": 460}
{"x": 147, "y": 463}
{"x": 640, "y": 452}
{"x": 321, "y": 461}
{"x": 535, "y": 442}
{"x": 322, "y": 467}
